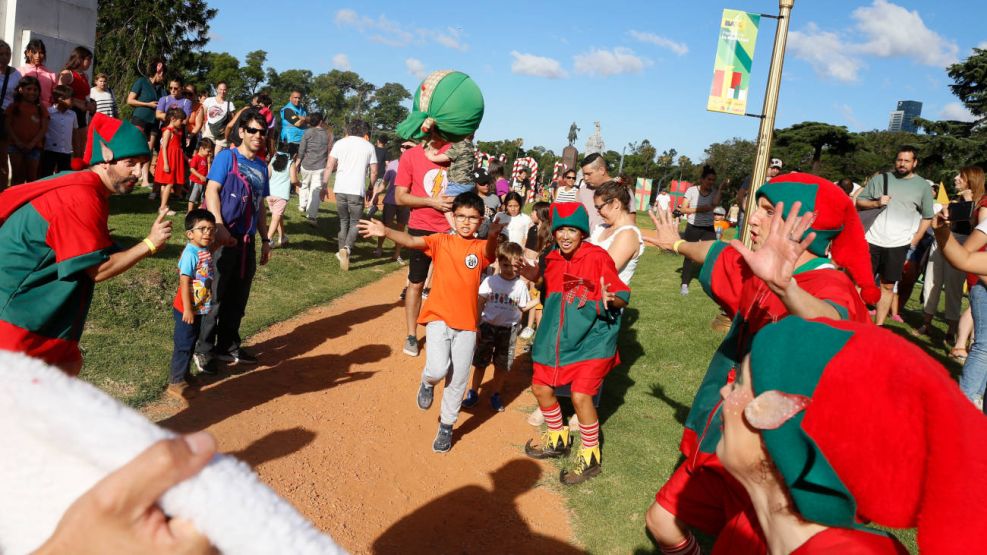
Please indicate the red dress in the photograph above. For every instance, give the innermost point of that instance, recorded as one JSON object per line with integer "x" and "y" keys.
{"x": 176, "y": 160}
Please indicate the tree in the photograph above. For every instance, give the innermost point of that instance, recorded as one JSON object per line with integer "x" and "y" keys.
{"x": 214, "y": 67}
{"x": 818, "y": 136}
{"x": 387, "y": 111}
{"x": 280, "y": 85}
{"x": 970, "y": 82}
{"x": 733, "y": 161}
{"x": 127, "y": 38}
{"x": 252, "y": 73}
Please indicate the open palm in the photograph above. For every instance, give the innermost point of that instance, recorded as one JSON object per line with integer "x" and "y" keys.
{"x": 776, "y": 259}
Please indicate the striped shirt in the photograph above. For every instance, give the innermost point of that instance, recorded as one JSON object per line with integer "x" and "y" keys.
{"x": 106, "y": 104}
{"x": 566, "y": 195}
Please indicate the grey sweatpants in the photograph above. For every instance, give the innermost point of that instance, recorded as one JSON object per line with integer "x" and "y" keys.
{"x": 445, "y": 348}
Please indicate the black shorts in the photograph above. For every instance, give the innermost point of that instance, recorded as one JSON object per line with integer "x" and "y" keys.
{"x": 496, "y": 344}
{"x": 392, "y": 211}
{"x": 888, "y": 262}
{"x": 81, "y": 117}
{"x": 418, "y": 263}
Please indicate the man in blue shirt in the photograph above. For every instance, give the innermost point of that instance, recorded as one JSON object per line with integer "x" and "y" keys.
{"x": 294, "y": 121}
{"x": 236, "y": 261}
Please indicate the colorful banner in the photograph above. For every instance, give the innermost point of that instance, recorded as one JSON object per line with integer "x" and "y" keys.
{"x": 642, "y": 194}
{"x": 734, "y": 56}
{"x": 677, "y": 189}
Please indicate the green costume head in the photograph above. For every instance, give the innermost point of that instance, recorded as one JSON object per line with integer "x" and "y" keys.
{"x": 448, "y": 102}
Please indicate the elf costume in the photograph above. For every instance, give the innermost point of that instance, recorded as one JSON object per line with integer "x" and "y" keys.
{"x": 448, "y": 101}
{"x": 576, "y": 342}
{"x": 700, "y": 492}
{"x": 873, "y": 437}
{"x": 51, "y": 232}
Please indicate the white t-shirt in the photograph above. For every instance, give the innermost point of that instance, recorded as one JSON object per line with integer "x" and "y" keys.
{"x": 353, "y": 156}
{"x": 505, "y": 299}
{"x": 58, "y": 138}
{"x": 697, "y": 200}
{"x": 663, "y": 200}
{"x": 517, "y": 229}
{"x": 15, "y": 77}
{"x": 216, "y": 110}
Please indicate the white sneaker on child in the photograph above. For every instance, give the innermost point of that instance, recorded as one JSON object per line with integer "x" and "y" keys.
{"x": 527, "y": 333}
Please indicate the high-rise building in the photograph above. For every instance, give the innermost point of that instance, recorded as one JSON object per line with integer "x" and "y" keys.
{"x": 903, "y": 119}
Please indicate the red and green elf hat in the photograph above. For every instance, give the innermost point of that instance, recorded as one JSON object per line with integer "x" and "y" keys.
{"x": 837, "y": 225}
{"x": 863, "y": 425}
{"x": 569, "y": 214}
{"x": 112, "y": 139}
{"x": 450, "y": 101}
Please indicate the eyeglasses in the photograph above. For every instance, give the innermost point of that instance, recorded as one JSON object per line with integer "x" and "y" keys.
{"x": 464, "y": 218}
{"x": 205, "y": 229}
{"x": 174, "y": 88}
{"x": 253, "y": 130}
{"x": 599, "y": 207}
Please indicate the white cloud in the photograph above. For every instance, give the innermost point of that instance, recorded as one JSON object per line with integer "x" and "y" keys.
{"x": 385, "y": 31}
{"x": 341, "y": 61}
{"x": 894, "y": 31}
{"x": 604, "y": 63}
{"x": 825, "y": 52}
{"x": 957, "y": 112}
{"x": 882, "y": 30}
{"x": 415, "y": 67}
{"x": 536, "y": 66}
{"x": 983, "y": 45}
{"x": 849, "y": 115}
{"x": 679, "y": 48}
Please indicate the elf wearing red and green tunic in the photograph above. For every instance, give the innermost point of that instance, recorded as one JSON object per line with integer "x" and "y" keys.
{"x": 577, "y": 340}
{"x": 55, "y": 245}
{"x": 787, "y": 273}
{"x": 856, "y": 436}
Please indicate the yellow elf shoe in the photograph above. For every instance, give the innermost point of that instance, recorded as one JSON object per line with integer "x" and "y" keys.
{"x": 587, "y": 466}
{"x": 554, "y": 445}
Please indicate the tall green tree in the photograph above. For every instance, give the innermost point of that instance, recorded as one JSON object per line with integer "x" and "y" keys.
{"x": 970, "y": 82}
{"x": 388, "y": 109}
{"x": 252, "y": 75}
{"x": 818, "y": 137}
{"x": 128, "y": 37}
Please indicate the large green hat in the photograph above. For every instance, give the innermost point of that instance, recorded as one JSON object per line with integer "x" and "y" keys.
{"x": 569, "y": 214}
{"x": 447, "y": 100}
{"x": 112, "y": 139}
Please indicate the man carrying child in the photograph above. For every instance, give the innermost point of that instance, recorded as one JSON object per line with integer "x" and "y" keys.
{"x": 450, "y": 312}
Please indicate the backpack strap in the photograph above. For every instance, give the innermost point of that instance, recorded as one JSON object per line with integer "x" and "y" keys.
{"x": 885, "y": 183}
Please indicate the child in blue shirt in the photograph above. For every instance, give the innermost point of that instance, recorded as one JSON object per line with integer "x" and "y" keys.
{"x": 193, "y": 299}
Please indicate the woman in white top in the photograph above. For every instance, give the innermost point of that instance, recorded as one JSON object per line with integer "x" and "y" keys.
{"x": 517, "y": 229}
{"x": 618, "y": 233}
{"x": 566, "y": 191}
{"x": 699, "y": 203}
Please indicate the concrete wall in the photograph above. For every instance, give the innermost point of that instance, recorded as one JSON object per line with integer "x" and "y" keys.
{"x": 61, "y": 24}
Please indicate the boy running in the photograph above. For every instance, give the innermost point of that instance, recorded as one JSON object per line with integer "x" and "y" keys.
{"x": 450, "y": 312}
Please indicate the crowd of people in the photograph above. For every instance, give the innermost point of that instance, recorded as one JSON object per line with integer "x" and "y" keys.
{"x": 484, "y": 272}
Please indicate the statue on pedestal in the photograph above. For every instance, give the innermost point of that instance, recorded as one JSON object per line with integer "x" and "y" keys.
{"x": 595, "y": 143}
{"x": 572, "y": 133}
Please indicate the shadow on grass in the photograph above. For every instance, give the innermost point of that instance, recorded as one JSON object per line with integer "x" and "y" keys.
{"x": 955, "y": 368}
{"x": 619, "y": 381}
{"x": 461, "y": 520}
{"x": 274, "y": 446}
{"x": 681, "y": 411}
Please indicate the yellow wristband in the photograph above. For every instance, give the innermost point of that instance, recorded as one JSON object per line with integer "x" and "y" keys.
{"x": 150, "y": 246}
{"x": 676, "y": 245}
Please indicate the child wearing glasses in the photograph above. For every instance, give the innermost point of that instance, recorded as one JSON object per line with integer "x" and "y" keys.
{"x": 170, "y": 170}
{"x": 450, "y": 313}
{"x": 193, "y": 299}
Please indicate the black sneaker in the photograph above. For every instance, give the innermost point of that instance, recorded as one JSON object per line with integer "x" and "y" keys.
{"x": 443, "y": 439}
{"x": 238, "y": 356}
{"x": 205, "y": 364}
{"x": 472, "y": 397}
{"x": 425, "y": 394}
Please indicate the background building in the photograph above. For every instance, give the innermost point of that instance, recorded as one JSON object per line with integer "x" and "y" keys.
{"x": 903, "y": 119}
{"x": 61, "y": 24}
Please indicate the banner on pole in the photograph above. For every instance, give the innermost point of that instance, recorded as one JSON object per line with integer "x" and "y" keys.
{"x": 642, "y": 194}
{"x": 734, "y": 56}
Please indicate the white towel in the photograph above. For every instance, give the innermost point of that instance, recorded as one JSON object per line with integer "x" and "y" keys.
{"x": 60, "y": 435}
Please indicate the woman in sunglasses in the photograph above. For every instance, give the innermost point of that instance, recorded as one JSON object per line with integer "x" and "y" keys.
{"x": 566, "y": 191}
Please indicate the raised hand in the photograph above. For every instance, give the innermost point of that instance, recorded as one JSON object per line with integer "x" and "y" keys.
{"x": 667, "y": 228}
{"x": 777, "y": 257}
{"x": 371, "y": 228}
{"x": 160, "y": 230}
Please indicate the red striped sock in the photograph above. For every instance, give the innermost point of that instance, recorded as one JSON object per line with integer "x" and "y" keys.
{"x": 553, "y": 417}
{"x": 688, "y": 547}
{"x": 590, "y": 434}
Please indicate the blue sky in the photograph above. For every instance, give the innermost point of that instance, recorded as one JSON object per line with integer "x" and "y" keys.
{"x": 643, "y": 69}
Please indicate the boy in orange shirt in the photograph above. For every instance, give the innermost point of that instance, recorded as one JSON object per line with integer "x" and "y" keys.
{"x": 450, "y": 313}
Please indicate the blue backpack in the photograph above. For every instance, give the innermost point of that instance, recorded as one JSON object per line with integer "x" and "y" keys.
{"x": 236, "y": 203}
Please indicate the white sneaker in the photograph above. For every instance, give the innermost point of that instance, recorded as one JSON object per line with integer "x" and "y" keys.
{"x": 536, "y": 418}
{"x": 684, "y": 290}
{"x": 527, "y": 333}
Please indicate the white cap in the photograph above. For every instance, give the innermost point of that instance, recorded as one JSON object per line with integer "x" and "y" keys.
{"x": 776, "y": 163}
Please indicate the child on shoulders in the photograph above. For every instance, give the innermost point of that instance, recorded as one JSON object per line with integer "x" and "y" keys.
{"x": 461, "y": 157}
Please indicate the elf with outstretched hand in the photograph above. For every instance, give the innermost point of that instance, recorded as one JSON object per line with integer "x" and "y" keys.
{"x": 55, "y": 245}
{"x": 576, "y": 342}
{"x": 853, "y": 437}
{"x": 788, "y": 272}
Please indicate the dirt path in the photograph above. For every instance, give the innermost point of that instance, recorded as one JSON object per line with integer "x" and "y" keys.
{"x": 331, "y": 424}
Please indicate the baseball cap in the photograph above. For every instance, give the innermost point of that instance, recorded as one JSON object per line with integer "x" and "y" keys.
{"x": 777, "y": 163}
{"x": 720, "y": 210}
{"x": 481, "y": 177}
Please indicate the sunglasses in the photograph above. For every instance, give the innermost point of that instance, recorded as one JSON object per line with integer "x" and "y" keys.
{"x": 253, "y": 130}
{"x": 570, "y": 177}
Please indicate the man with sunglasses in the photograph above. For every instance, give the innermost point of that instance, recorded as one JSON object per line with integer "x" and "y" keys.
{"x": 236, "y": 260}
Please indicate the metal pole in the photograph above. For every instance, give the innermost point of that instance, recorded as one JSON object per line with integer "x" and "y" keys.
{"x": 766, "y": 132}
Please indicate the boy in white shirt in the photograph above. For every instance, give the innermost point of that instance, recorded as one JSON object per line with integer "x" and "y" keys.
{"x": 503, "y": 298}
{"x": 57, "y": 156}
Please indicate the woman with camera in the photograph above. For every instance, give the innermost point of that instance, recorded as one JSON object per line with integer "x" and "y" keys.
{"x": 698, "y": 205}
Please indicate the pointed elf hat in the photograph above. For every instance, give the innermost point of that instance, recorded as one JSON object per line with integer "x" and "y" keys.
{"x": 447, "y": 100}
{"x": 837, "y": 225}
{"x": 569, "y": 214}
{"x": 112, "y": 139}
{"x": 880, "y": 432}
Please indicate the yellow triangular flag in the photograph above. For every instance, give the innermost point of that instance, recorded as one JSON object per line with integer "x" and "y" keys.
{"x": 942, "y": 198}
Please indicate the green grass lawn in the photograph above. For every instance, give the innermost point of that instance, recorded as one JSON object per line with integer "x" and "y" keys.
{"x": 665, "y": 347}
{"x": 127, "y": 343}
